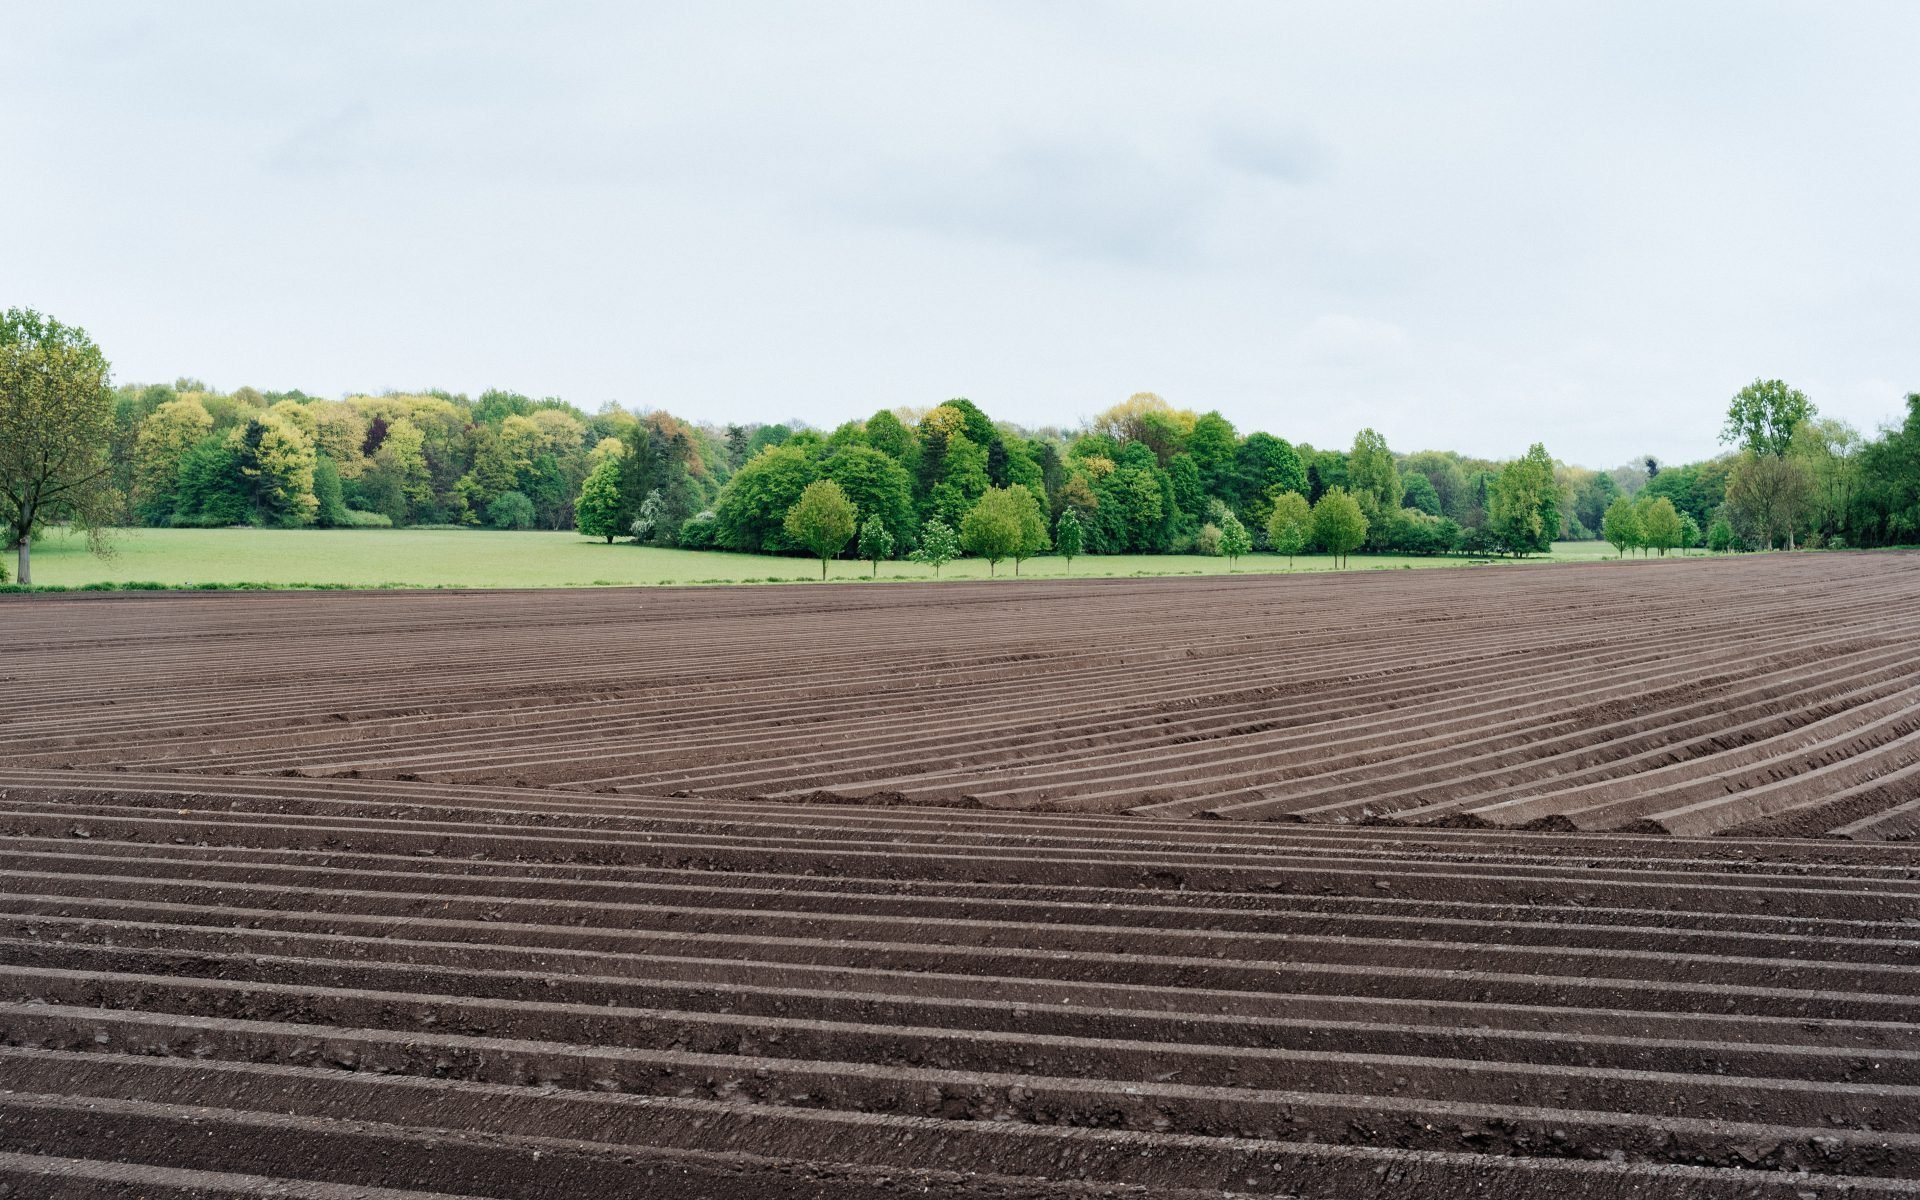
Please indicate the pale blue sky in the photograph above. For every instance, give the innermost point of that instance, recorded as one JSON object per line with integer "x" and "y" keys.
{"x": 1468, "y": 225}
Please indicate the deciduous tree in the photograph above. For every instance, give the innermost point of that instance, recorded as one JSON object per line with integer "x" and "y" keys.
{"x": 1338, "y": 523}
{"x": 995, "y": 527}
{"x": 597, "y": 512}
{"x": 1068, "y": 537}
{"x": 938, "y": 545}
{"x": 1659, "y": 523}
{"x": 821, "y": 520}
{"x": 1234, "y": 540}
{"x": 1290, "y": 527}
{"x": 56, "y": 431}
{"x": 1621, "y": 525}
{"x": 1763, "y": 416}
{"x": 875, "y": 542}
{"x": 1767, "y": 496}
{"x": 1524, "y": 509}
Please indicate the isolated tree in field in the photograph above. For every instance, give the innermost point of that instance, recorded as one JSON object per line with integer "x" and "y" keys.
{"x": 1660, "y": 524}
{"x": 939, "y": 545}
{"x": 1689, "y": 531}
{"x": 597, "y": 512}
{"x": 875, "y": 542}
{"x": 56, "y": 431}
{"x": 1033, "y": 526}
{"x": 1068, "y": 537}
{"x": 1338, "y": 524}
{"x": 996, "y": 528}
{"x": 821, "y": 520}
{"x": 1234, "y": 539}
{"x": 1621, "y": 525}
{"x": 1763, "y": 416}
{"x": 1290, "y": 526}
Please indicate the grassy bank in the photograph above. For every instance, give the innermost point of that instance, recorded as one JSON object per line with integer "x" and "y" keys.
{"x": 477, "y": 558}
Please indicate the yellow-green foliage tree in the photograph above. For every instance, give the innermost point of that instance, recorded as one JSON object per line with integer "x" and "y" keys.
{"x": 1621, "y": 525}
{"x": 163, "y": 441}
{"x": 1033, "y": 525}
{"x": 276, "y": 461}
{"x": 1290, "y": 525}
{"x": 1338, "y": 524}
{"x": 1659, "y": 523}
{"x": 597, "y": 512}
{"x": 56, "y": 432}
{"x": 821, "y": 520}
{"x": 996, "y": 527}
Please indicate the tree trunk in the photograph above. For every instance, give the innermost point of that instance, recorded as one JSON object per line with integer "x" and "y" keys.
{"x": 25, "y": 574}
{"x": 823, "y": 570}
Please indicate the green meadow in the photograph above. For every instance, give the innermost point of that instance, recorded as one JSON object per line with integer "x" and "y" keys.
{"x": 491, "y": 559}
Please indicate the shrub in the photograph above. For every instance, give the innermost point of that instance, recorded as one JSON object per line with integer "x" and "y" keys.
{"x": 368, "y": 520}
{"x": 510, "y": 510}
{"x": 1207, "y": 541}
{"x": 699, "y": 532}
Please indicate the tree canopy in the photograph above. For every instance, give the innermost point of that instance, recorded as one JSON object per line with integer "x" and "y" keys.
{"x": 56, "y": 431}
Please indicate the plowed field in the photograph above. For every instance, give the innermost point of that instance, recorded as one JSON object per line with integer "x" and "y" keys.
{"x": 711, "y": 893}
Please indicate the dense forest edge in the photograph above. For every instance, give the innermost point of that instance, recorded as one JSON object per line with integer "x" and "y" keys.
{"x": 928, "y": 484}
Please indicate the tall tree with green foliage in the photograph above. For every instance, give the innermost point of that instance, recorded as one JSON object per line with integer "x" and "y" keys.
{"x": 330, "y": 505}
{"x": 276, "y": 462}
{"x": 1720, "y": 536}
{"x": 1068, "y": 536}
{"x": 878, "y": 486}
{"x": 1524, "y": 512}
{"x": 1767, "y": 496}
{"x": 821, "y": 520}
{"x": 1372, "y": 478}
{"x": 1033, "y": 525}
{"x": 597, "y": 512}
{"x": 1234, "y": 539}
{"x": 752, "y": 509}
{"x": 939, "y": 545}
{"x": 1621, "y": 525}
{"x": 56, "y": 432}
{"x": 995, "y": 528}
{"x": 875, "y": 542}
{"x": 1290, "y": 527}
{"x": 1764, "y": 415}
{"x": 1659, "y": 523}
{"x": 1339, "y": 525}
{"x": 170, "y": 430}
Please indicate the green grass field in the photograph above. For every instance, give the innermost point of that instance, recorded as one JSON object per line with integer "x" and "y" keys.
{"x": 480, "y": 558}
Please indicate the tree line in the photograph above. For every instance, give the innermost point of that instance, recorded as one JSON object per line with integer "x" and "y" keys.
{"x": 1143, "y": 477}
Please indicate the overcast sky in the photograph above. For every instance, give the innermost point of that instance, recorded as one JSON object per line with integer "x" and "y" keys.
{"x": 1468, "y": 225}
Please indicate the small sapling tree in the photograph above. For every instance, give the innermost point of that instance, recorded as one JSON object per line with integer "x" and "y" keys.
{"x": 1234, "y": 540}
{"x": 1290, "y": 527}
{"x": 875, "y": 542}
{"x": 938, "y": 546}
{"x": 1068, "y": 537}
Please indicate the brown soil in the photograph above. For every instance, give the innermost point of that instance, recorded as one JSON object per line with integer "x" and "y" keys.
{"x": 682, "y": 893}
